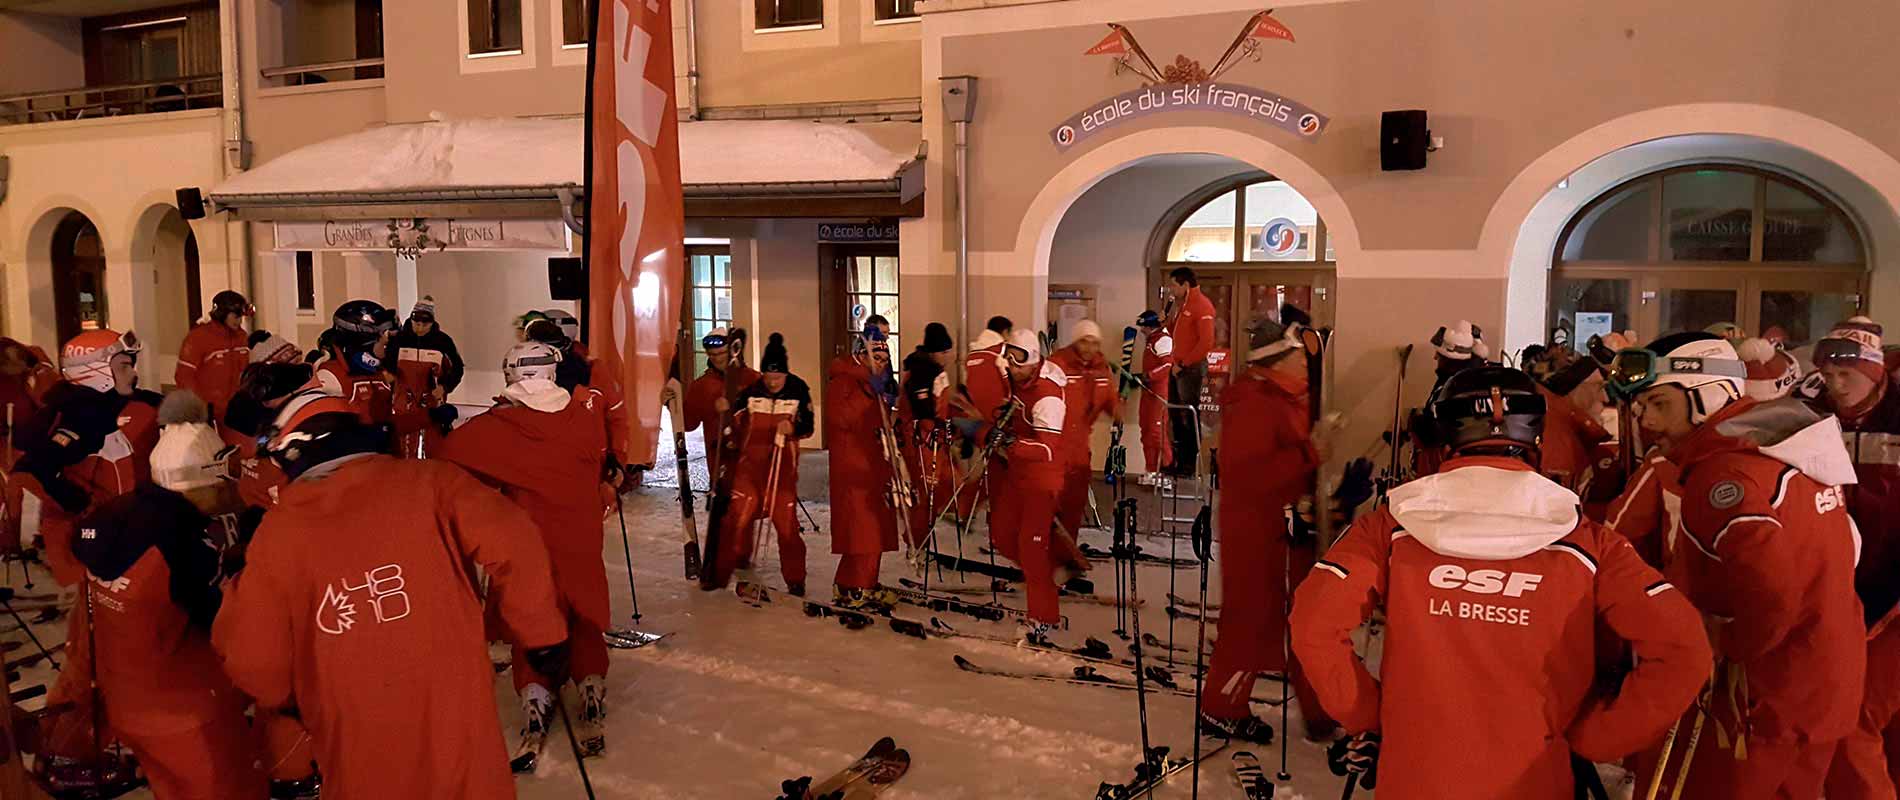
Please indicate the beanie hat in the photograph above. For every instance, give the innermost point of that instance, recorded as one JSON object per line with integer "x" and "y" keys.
{"x": 1085, "y": 329}
{"x": 1461, "y": 341}
{"x": 274, "y": 349}
{"x": 424, "y": 308}
{"x": 775, "y": 359}
{"x": 1772, "y": 373}
{"x": 189, "y": 453}
{"x": 1854, "y": 342}
{"x": 937, "y": 338}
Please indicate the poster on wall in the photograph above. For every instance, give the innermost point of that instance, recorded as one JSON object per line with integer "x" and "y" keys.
{"x": 1592, "y": 323}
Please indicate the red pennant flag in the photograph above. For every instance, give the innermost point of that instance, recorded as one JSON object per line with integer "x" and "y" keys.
{"x": 636, "y": 219}
{"x": 1115, "y": 45}
{"x": 1270, "y": 28}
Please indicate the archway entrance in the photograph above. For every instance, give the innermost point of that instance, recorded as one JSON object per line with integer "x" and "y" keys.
{"x": 79, "y": 276}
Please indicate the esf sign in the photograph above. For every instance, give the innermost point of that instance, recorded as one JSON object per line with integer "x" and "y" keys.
{"x": 1254, "y": 103}
{"x": 844, "y": 233}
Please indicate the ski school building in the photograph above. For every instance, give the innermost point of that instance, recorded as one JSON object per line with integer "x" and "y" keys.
{"x": 1595, "y": 166}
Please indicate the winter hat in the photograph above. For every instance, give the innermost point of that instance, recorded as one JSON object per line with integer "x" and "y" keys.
{"x": 189, "y": 454}
{"x": 424, "y": 309}
{"x": 1772, "y": 373}
{"x": 1269, "y": 336}
{"x": 1854, "y": 342}
{"x": 1461, "y": 341}
{"x": 937, "y": 338}
{"x": 274, "y": 349}
{"x": 1023, "y": 347}
{"x": 1086, "y": 329}
{"x": 1727, "y": 330}
{"x": 1148, "y": 319}
{"x": 986, "y": 340}
{"x": 775, "y": 359}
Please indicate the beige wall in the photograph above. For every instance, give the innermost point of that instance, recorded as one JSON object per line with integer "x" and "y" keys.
{"x": 39, "y": 52}
{"x": 775, "y": 288}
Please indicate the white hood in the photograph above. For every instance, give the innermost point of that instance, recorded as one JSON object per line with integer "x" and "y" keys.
{"x": 538, "y": 394}
{"x": 986, "y": 340}
{"x": 1485, "y": 512}
{"x": 1790, "y": 432}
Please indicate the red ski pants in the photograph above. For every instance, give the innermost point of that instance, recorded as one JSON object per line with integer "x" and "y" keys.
{"x": 14, "y": 498}
{"x": 587, "y": 654}
{"x": 1156, "y": 449}
{"x": 738, "y": 528}
{"x": 1026, "y": 517}
{"x": 217, "y": 760}
{"x": 858, "y": 570}
{"x": 287, "y": 753}
{"x": 1774, "y": 770}
{"x": 1868, "y": 764}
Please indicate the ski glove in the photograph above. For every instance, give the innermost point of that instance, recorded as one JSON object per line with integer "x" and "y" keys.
{"x": 1356, "y": 754}
{"x": 1355, "y": 487}
{"x": 550, "y": 661}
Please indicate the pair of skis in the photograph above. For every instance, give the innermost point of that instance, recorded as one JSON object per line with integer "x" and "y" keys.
{"x": 881, "y": 767}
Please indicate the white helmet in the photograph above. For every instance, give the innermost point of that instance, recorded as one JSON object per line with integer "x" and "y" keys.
{"x": 1705, "y": 366}
{"x": 530, "y": 361}
{"x": 1023, "y": 347}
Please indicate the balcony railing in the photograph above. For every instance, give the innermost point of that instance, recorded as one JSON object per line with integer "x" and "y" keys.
{"x": 355, "y": 69}
{"x": 91, "y": 102}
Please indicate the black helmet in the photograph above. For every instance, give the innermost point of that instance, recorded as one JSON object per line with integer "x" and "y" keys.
{"x": 1489, "y": 405}
{"x": 1148, "y": 319}
{"x": 359, "y": 323}
{"x": 229, "y": 302}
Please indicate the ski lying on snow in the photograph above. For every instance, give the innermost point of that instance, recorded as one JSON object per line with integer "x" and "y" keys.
{"x": 1088, "y": 676}
{"x": 1177, "y": 612}
{"x": 1001, "y": 587}
{"x": 949, "y": 561}
{"x": 1093, "y": 651}
{"x": 947, "y": 601}
{"x": 631, "y": 639}
{"x": 1189, "y": 602}
{"x": 1251, "y": 778}
{"x": 1178, "y": 563}
{"x": 1144, "y": 785}
{"x": 880, "y": 767}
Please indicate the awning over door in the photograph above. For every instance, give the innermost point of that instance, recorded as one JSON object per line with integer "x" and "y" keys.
{"x": 514, "y": 168}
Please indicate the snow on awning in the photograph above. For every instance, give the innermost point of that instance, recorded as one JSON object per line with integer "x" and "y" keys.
{"x": 521, "y": 167}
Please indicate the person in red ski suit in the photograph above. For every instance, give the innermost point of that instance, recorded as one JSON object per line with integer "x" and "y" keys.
{"x": 26, "y": 374}
{"x": 1572, "y": 429}
{"x": 1157, "y": 372}
{"x": 1493, "y": 587}
{"x": 984, "y": 391}
{"x": 1088, "y": 394}
{"x": 372, "y": 634}
{"x": 708, "y": 397}
{"x": 89, "y": 442}
{"x": 428, "y": 369}
{"x": 144, "y": 631}
{"x": 1766, "y": 553}
{"x": 546, "y": 449}
{"x": 1267, "y": 463}
{"x": 1024, "y": 514}
{"x": 924, "y": 417}
{"x": 1192, "y": 327}
{"x": 1860, "y": 392}
{"x": 774, "y": 413}
{"x": 858, "y": 400}
{"x": 215, "y": 351}
{"x": 357, "y": 367}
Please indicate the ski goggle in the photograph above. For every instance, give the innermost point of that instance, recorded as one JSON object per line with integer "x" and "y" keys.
{"x": 1016, "y": 355}
{"x": 1834, "y": 351}
{"x": 713, "y": 341}
{"x": 1634, "y": 370}
{"x": 1314, "y": 340}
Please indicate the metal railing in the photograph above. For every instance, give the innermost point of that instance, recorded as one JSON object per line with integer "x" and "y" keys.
{"x": 124, "y": 99}
{"x": 355, "y": 69}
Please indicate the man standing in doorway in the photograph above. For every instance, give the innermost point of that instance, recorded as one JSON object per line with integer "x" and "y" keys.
{"x": 215, "y": 352}
{"x": 1192, "y": 327}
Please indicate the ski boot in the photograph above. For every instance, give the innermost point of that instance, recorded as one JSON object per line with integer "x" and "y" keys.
{"x": 795, "y": 588}
{"x": 1037, "y": 633}
{"x": 1246, "y": 729}
{"x": 869, "y": 601}
{"x": 593, "y": 716}
{"x": 302, "y": 789}
{"x": 537, "y": 710}
{"x": 752, "y": 594}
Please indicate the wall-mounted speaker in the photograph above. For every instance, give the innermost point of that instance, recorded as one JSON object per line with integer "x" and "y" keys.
{"x": 566, "y": 281}
{"x": 191, "y": 203}
{"x": 1403, "y": 140}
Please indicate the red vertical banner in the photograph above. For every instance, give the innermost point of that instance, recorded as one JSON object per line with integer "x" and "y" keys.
{"x": 635, "y": 207}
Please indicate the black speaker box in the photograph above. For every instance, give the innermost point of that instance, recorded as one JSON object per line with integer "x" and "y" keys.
{"x": 191, "y": 203}
{"x": 1403, "y": 140}
{"x": 565, "y": 279}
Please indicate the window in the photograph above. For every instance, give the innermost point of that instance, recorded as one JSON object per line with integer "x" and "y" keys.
{"x": 494, "y": 27}
{"x": 329, "y": 41}
{"x": 711, "y": 303}
{"x": 896, "y": 9}
{"x": 306, "y": 281}
{"x": 574, "y": 22}
{"x": 789, "y": 13}
{"x": 870, "y": 288}
{"x": 1706, "y": 244}
{"x": 1250, "y": 221}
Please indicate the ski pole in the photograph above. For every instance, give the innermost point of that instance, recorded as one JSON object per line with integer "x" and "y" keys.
{"x": 1202, "y": 540}
{"x": 1352, "y": 784}
{"x": 1286, "y": 647}
{"x": 1688, "y": 753}
{"x": 1126, "y": 510}
{"x": 626, "y": 549}
{"x": 580, "y": 761}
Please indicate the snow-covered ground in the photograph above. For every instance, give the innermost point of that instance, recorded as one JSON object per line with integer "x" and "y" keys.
{"x": 737, "y": 699}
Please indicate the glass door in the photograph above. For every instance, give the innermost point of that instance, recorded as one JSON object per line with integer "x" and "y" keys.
{"x": 1688, "y": 302}
{"x": 1796, "y": 309}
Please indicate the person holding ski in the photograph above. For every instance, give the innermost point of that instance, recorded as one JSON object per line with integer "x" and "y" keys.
{"x": 1266, "y": 464}
{"x": 1493, "y": 587}
{"x": 1861, "y": 394}
{"x": 144, "y": 633}
{"x": 428, "y": 368}
{"x": 372, "y": 634}
{"x": 89, "y": 442}
{"x": 705, "y": 404}
{"x": 769, "y": 419}
{"x": 1024, "y": 514}
{"x": 1157, "y": 372}
{"x": 1088, "y": 394}
{"x": 864, "y": 519}
{"x": 985, "y": 389}
{"x": 1769, "y": 560}
{"x": 215, "y": 351}
{"x": 1192, "y": 327}
{"x": 923, "y": 416}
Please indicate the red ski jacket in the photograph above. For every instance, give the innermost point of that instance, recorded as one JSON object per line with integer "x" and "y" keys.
{"x": 701, "y": 403}
{"x": 1266, "y": 464}
{"x": 1493, "y": 587}
{"x": 1087, "y": 394}
{"x": 1035, "y": 457}
{"x": 860, "y": 469}
{"x": 1769, "y": 555}
{"x": 1193, "y": 329}
{"x": 755, "y": 428}
{"x": 549, "y": 463}
{"x": 211, "y": 362}
{"x": 1570, "y": 440}
{"x": 1873, "y": 442}
{"x": 986, "y": 378}
{"x": 1649, "y": 511}
{"x": 373, "y": 633}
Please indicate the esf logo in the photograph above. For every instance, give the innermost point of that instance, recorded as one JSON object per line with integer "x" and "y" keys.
{"x": 1829, "y": 499}
{"x": 1280, "y": 236}
{"x": 1309, "y": 124}
{"x": 1484, "y": 581}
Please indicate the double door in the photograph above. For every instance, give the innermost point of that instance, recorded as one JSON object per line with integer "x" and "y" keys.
{"x": 1794, "y": 307}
